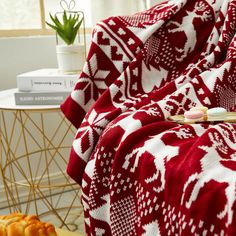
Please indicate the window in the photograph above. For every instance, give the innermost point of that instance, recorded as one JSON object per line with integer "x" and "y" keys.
{"x": 14, "y": 16}
{"x": 27, "y": 17}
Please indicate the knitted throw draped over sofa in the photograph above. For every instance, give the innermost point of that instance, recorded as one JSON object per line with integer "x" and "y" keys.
{"x": 140, "y": 174}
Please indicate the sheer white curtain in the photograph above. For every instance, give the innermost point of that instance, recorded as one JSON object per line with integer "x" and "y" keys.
{"x": 151, "y": 3}
{"x": 102, "y": 9}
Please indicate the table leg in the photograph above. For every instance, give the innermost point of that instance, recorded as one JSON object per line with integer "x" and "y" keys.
{"x": 35, "y": 149}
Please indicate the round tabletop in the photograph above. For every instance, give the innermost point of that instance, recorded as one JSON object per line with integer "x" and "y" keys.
{"x": 7, "y": 102}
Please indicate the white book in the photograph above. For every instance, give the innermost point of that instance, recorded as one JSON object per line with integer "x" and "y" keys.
{"x": 40, "y": 98}
{"x": 46, "y": 80}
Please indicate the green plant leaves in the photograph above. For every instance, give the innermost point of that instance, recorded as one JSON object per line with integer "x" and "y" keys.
{"x": 68, "y": 28}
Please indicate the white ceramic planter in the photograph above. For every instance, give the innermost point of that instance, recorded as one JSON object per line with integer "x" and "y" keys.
{"x": 70, "y": 58}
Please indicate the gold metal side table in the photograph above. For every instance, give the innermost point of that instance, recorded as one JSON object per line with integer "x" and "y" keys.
{"x": 35, "y": 142}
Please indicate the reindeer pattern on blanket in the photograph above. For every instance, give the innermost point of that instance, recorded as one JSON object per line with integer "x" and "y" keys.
{"x": 141, "y": 174}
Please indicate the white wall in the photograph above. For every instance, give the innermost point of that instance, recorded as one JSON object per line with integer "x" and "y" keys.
{"x": 24, "y": 54}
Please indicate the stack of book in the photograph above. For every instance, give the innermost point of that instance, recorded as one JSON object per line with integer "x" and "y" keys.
{"x": 44, "y": 87}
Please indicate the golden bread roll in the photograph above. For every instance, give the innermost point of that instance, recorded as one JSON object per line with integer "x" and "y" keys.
{"x": 17, "y": 224}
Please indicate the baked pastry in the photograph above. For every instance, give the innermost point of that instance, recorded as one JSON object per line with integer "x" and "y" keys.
{"x": 17, "y": 224}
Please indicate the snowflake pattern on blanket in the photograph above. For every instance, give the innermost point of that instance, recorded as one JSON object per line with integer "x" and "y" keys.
{"x": 140, "y": 174}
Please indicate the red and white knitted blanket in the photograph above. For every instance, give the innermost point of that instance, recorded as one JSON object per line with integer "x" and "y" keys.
{"x": 140, "y": 174}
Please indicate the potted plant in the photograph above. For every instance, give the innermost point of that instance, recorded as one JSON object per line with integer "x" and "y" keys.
{"x": 70, "y": 55}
